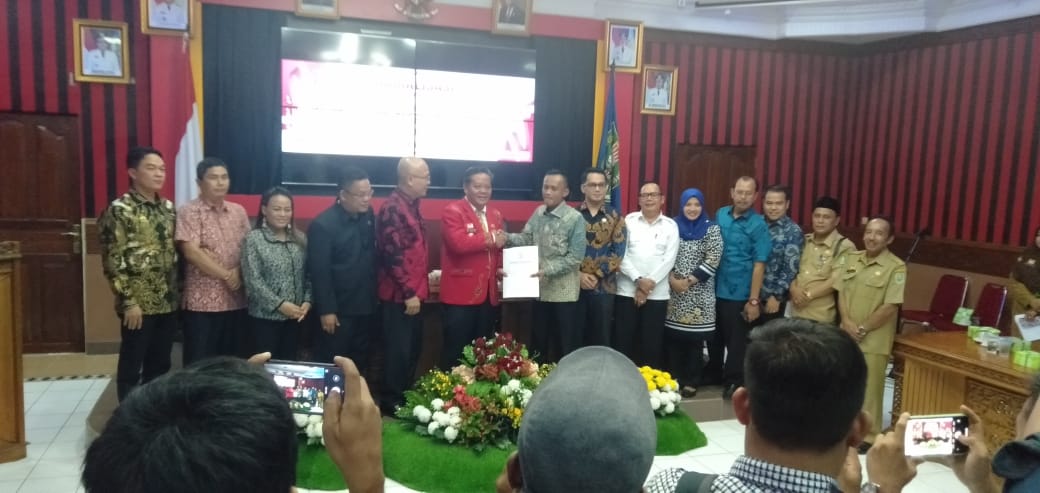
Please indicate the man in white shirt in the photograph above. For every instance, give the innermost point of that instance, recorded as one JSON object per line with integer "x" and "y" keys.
{"x": 642, "y": 288}
{"x": 167, "y": 14}
{"x": 102, "y": 60}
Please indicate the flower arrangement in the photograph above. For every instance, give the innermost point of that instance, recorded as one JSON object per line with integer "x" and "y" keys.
{"x": 482, "y": 400}
{"x": 664, "y": 391}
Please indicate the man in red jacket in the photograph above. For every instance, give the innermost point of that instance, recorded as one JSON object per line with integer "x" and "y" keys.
{"x": 402, "y": 278}
{"x": 471, "y": 256}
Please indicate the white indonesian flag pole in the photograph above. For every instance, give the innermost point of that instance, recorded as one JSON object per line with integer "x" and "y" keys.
{"x": 189, "y": 150}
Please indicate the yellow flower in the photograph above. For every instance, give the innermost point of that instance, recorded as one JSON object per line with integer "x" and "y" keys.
{"x": 650, "y": 385}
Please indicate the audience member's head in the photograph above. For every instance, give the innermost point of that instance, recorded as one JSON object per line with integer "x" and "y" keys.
{"x": 588, "y": 428}
{"x": 220, "y": 425}
{"x": 803, "y": 393}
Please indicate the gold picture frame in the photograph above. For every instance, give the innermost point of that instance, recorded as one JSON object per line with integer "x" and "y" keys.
{"x": 658, "y": 94}
{"x": 624, "y": 41}
{"x": 321, "y": 9}
{"x": 166, "y": 17}
{"x": 512, "y": 17}
{"x": 96, "y": 59}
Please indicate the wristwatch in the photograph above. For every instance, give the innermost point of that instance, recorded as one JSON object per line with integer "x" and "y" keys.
{"x": 753, "y": 301}
{"x": 862, "y": 332}
{"x": 870, "y": 488}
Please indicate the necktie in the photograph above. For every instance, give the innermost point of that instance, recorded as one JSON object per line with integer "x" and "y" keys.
{"x": 483, "y": 220}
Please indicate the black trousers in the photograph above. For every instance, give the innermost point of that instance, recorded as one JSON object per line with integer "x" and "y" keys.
{"x": 144, "y": 354}
{"x": 402, "y": 345}
{"x": 684, "y": 354}
{"x": 597, "y": 310}
{"x": 277, "y": 336}
{"x": 639, "y": 331}
{"x": 557, "y": 329}
{"x": 731, "y": 338}
{"x": 461, "y": 325}
{"x": 352, "y": 339}
{"x": 208, "y": 334}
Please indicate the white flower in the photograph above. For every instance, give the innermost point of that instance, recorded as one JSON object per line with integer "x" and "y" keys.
{"x": 514, "y": 385}
{"x": 504, "y": 390}
{"x": 669, "y": 408}
{"x": 454, "y": 411}
{"x": 450, "y": 434}
{"x": 525, "y": 396}
{"x": 437, "y": 404}
{"x": 300, "y": 419}
{"x": 314, "y": 418}
{"x": 433, "y": 427}
{"x": 655, "y": 403}
{"x": 314, "y": 430}
{"x": 655, "y": 393}
{"x": 455, "y": 420}
{"x": 422, "y": 414}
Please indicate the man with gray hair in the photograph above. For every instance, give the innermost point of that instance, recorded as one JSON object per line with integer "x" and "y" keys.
{"x": 588, "y": 428}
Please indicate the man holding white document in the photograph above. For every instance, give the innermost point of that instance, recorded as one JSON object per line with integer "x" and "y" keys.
{"x": 558, "y": 232}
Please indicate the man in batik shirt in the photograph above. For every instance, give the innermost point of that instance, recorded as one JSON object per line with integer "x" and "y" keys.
{"x": 140, "y": 262}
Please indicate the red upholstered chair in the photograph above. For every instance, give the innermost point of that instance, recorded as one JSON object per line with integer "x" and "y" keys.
{"x": 948, "y": 297}
{"x": 988, "y": 309}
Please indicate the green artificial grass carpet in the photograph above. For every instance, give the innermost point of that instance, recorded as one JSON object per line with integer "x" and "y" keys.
{"x": 433, "y": 466}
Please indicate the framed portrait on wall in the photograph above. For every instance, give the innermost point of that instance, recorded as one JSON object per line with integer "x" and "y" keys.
{"x": 511, "y": 17}
{"x": 102, "y": 52}
{"x": 322, "y": 9}
{"x": 624, "y": 45}
{"x": 172, "y": 17}
{"x": 659, "y": 90}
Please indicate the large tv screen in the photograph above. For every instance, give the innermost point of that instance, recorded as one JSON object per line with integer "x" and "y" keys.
{"x": 375, "y": 96}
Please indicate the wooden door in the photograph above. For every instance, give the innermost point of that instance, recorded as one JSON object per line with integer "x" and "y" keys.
{"x": 712, "y": 169}
{"x": 40, "y": 207}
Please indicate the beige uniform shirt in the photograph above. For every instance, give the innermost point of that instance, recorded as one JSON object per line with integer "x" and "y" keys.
{"x": 818, "y": 264}
{"x": 867, "y": 284}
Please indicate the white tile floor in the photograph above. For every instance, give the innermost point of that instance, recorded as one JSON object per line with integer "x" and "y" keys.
{"x": 56, "y": 414}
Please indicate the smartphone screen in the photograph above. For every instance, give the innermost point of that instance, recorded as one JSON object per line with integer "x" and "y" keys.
{"x": 305, "y": 385}
{"x": 935, "y": 435}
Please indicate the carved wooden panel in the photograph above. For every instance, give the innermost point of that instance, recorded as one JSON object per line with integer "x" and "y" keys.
{"x": 997, "y": 408}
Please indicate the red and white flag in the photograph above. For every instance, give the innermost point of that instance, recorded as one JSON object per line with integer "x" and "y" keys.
{"x": 175, "y": 114}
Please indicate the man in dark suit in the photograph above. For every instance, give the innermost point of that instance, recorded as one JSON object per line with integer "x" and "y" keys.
{"x": 471, "y": 256}
{"x": 341, "y": 260}
{"x": 511, "y": 13}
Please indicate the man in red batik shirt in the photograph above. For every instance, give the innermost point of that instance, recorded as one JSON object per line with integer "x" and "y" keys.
{"x": 402, "y": 278}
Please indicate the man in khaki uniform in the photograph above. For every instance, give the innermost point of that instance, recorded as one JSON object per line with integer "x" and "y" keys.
{"x": 812, "y": 292}
{"x": 870, "y": 288}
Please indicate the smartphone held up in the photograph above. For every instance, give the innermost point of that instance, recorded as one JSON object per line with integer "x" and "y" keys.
{"x": 305, "y": 385}
{"x": 935, "y": 435}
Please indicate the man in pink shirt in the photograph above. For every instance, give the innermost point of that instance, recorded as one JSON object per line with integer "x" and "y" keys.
{"x": 210, "y": 233}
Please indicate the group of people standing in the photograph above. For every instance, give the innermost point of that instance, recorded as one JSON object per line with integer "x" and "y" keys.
{"x": 654, "y": 287}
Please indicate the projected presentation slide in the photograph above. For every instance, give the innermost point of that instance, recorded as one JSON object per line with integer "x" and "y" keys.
{"x": 368, "y": 110}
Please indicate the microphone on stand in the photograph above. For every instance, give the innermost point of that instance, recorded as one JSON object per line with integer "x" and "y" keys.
{"x": 923, "y": 233}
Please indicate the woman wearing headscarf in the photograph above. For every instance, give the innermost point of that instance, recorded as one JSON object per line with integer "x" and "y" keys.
{"x": 691, "y": 309}
{"x": 1024, "y": 285}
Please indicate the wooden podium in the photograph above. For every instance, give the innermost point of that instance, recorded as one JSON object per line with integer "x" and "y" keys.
{"x": 936, "y": 372}
{"x": 12, "y": 410}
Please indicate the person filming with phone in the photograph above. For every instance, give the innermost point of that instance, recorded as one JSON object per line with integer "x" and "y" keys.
{"x": 890, "y": 468}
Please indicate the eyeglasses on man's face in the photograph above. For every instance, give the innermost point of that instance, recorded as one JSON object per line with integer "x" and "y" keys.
{"x": 649, "y": 195}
